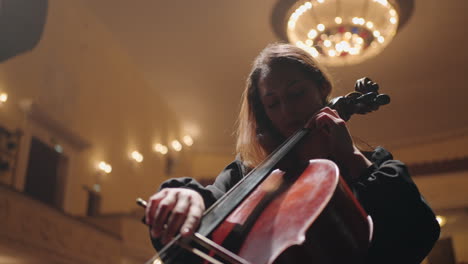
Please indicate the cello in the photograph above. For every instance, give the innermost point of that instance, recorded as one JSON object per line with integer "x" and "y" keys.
{"x": 247, "y": 224}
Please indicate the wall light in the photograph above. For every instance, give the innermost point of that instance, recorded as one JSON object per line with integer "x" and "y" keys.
{"x": 137, "y": 156}
{"x": 160, "y": 148}
{"x": 442, "y": 220}
{"x": 188, "y": 140}
{"x": 3, "y": 98}
{"x": 105, "y": 167}
{"x": 176, "y": 145}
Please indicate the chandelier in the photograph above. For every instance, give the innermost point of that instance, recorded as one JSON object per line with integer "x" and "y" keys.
{"x": 340, "y": 32}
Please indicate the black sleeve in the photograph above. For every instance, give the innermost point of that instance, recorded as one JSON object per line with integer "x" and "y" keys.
{"x": 224, "y": 181}
{"x": 405, "y": 228}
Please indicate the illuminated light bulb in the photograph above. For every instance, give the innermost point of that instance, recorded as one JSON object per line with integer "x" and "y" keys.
{"x": 355, "y": 20}
{"x": 308, "y": 5}
{"x": 188, "y": 140}
{"x": 164, "y": 150}
{"x": 137, "y": 156}
{"x": 176, "y": 145}
{"x": 369, "y": 24}
{"x": 309, "y": 42}
{"x": 359, "y": 40}
{"x": 312, "y": 34}
{"x": 157, "y": 147}
{"x": 382, "y": 2}
{"x": 362, "y": 21}
{"x": 321, "y": 1}
{"x": 346, "y": 46}
{"x": 103, "y": 166}
{"x": 354, "y": 51}
{"x": 393, "y": 20}
{"x": 441, "y": 219}
{"x": 338, "y": 20}
{"x": 97, "y": 187}
{"x": 332, "y": 53}
{"x": 58, "y": 148}
{"x": 376, "y": 33}
{"x": 321, "y": 27}
{"x": 393, "y": 12}
{"x": 3, "y": 97}
{"x": 295, "y": 16}
{"x": 381, "y": 39}
{"x": 157, "y": 261}
{"x": 348, "y": 35}
{"x": 314, "y": 52}
{"x": 160, "y": 148}
{"x": 327, "y": 43}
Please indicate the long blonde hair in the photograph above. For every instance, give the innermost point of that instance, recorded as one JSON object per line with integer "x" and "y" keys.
{"x": 256, "y": 136}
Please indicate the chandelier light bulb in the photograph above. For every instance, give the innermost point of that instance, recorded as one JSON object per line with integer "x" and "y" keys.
{"x": 341, "y": 32}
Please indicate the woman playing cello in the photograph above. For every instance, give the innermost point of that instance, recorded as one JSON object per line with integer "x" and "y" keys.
{"x": 285, "y": 88}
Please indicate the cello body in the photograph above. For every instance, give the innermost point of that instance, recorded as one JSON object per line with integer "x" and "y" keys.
{"x": 306, "y": 217}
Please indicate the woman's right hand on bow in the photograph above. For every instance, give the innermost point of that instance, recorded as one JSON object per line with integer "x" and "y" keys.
{"x": 174, "y": 210}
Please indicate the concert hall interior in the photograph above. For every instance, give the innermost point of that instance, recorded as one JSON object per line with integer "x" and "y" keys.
{"x": 102, "y": 101}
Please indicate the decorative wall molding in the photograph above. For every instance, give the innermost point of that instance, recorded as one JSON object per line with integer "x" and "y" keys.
{"x": 36, "y": 114}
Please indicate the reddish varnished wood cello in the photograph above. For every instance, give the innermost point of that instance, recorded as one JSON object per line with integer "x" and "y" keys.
{"x": 304, "y": 215}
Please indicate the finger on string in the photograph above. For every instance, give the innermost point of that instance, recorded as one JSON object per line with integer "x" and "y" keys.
{"x": 152, "y": 206}
{"x": 192, "y": 221}
{"x": 324, "y": 122}
{"x": 162, "y": 213}
{"x": 332, "y": 112}
{"x": 176, "y": 218}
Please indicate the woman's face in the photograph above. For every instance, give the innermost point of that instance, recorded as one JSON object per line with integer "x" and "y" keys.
{"x": 289, "y": 97}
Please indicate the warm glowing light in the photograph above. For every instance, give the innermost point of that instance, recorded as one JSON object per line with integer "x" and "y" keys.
{"x": 188, "y": 140}
{"x": 441, "y": 219}
{"x": 137, "y": 156}
{"x": 58, "y": 148}
{"x": 3, "y": 97}
{"x": 321, "y": 27}
{"x": 314, "y": 52}
{"x": 103, "y": 166}
{"x": 97, "y": 187}
{"x": 382, "y": 2}
{"x": 349, "y": 37}
{"x": 176, "y": 145}
{"x": 160, "y": 148}
{"x": 312, "y": 34}
{"x": 157, "y": 261}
